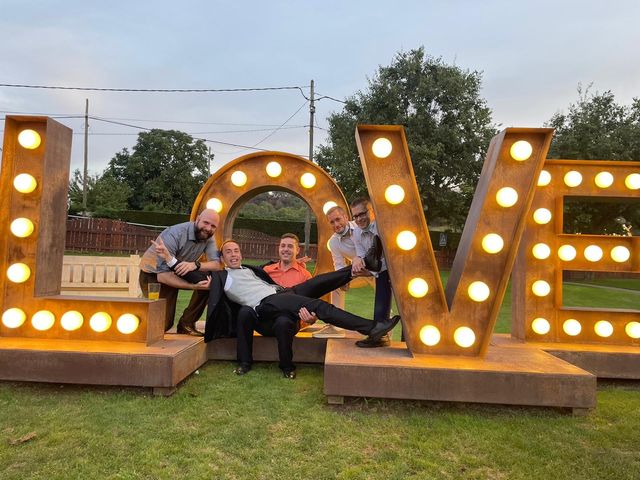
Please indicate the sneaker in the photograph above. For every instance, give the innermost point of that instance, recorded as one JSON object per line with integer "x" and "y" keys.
{"x": 329, "y": 331}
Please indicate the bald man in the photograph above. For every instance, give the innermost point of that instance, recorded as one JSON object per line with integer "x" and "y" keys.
{"x": 186, "y": 243}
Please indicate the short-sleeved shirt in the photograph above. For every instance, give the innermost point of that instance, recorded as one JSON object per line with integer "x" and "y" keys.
{"x": 182, "y": 243}
{"x": 342, "y": 246}
{"x": 290, "y": 277}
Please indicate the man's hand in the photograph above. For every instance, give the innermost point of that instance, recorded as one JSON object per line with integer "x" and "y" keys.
{"x": 161, "y": 250}
{"x": 203, "y": 284}
{"x": 357, "y": 266}
{"x": 183, "y": 268}
{"x": 345, "y": 288}
{"x": 304, "y": 260}
{"x": 306, "y": 316}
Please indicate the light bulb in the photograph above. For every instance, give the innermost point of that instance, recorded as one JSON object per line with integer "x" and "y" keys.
{"x": 620, "y": 254}
{"x": 542, "y": 216}
{"x": 478, "y": 291}
{"x": 308, "y": 180}
{"x": 273, "y": 169}
{"x": 492, "y": 243}
{"x": 394, "y": 194}
{"x": 328, "y": 206}
{"x": 544, "y": 178}
{"x": 43, "y": 320}
{"x": 593, "y": 253}
{"x": 506, "y": 197}
{"x": 29, "y": 139}
{"x": 22, "y": 227}
{"x": 540, "y": 288}
{"x": 418, "y": 287}
{"x": 430, "y": 335}
{"x": 541, "y": 251}
{"x": 381, "y": 147}
{"x": 633, "y": 181}
{"x": 572, "y": 327}
{"x": 464, "y": 337}
{"x": 239, "y": 178}
{"x": 214, "y": 204}
{"x": 100, "y": 322}
{"x": 18, "y": 273}
{"x": 603, "y": 328}
{"x": 406, "y": 240}
{"x": 127, "y": 323}
{"x": 604, "y": 179}
{"x": 540, "y": 326}
{"x": 71, "y": 320}
{"x": 632, "y": 329}
{"x": 521, "y": 150}
{"x": 566, "y": 253}
{"x": 25, "y": 183}
{"x": 13, "y": 318}
{"x": 572, "y": 179}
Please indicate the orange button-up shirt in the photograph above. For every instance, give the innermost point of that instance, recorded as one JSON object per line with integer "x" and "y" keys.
{"x": 290, "y": 277}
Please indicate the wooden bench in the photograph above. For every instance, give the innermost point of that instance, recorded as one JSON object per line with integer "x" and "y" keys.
{"x": 101, "y": 276}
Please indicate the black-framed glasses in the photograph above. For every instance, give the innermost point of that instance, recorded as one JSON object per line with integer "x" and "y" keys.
{"x": 356, "y": 216}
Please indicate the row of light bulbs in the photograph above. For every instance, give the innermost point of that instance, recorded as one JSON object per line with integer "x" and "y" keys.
{"x": 592, "y": 253}
{"x": 604, "y": 179}
{"x": 273, "y": 170}
{"x": 19, "y": 272}
{"x": 70, "y": 321}
{"x": 573, "y": 328}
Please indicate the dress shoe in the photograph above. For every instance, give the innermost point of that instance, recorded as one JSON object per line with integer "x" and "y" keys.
{"x": 383, "y": 341}
{"x": 242, "y": 369}
{"x": 373, "y": 257}
{"x": 187, "y": 329}
{"x": 383, "y": 327}
{"x": 290, "y": 374}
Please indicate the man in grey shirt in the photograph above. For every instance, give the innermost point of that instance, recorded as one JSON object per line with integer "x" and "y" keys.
{"x": 186, "y": 243}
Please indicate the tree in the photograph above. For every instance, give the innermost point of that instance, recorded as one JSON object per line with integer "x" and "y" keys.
{"x": 165, "y": 172}
{"x": 105, "y": 195}
{"x": 598, "y": 128}
{"x": 447, "y": 123}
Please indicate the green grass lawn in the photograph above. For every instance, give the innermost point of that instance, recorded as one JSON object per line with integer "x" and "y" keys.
{"x": 261, "y": 426}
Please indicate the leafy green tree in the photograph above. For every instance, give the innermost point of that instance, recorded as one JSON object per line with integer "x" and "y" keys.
{"x": 165, "y": 171}
{"x": 596, "y": 127}
{"x": 448, "y": 127}
{"x": 105, "y": 195}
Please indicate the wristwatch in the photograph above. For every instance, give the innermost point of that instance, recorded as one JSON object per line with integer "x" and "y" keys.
{"x": 197, "y": 264}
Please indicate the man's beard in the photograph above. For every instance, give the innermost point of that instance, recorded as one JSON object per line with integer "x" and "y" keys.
{"x": 202, "y": 235}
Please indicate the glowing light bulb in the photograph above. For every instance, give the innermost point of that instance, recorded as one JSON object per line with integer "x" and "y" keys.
{"x": 603, "y": 328}
{"x": 394, "y": 194}
{"x": 542, "y": 216}
{"x": 593, "y": 253}
{"x": 506, "y": 197}
{"x": 492, "y": 243}
{"x": 632, "y": 329}
{"x": 328, "y": 206}
{"x": 239, "y": 178}
{"x": 604, "y": 180}
{"x": 464, "y": 337}
{"x": 544, "y": 178}
{"x": 273, "y": 169}
{"x": 329, "y": 244}
{"x": 418, "y": 287}
{"x": 478, "y": 291}
{"x": 214, "y": 204}
{"x": 13, "y": 318}
{"x": 71, "y": 320}
{"x": 127, "y": 323}
{"x": 540, "y": 326}
{"x": 430, "y": 335}
{"x": 572, "y": 179}
{"x": 620, "y": 254}
{"x": 381, "y": 148}
{"x": 43, "y": 320}
{"x": 100, "y": 322}
{"x": 18, "y": 273}
{"x": 406, "y": 240}
{"x": 566, "y": 253}
{"x": 25, "y": 183}
{"x": 29, "y": 139}
{"x": 541, "y": 251}
{"x": 572, "y": 327}
{"x": 22, "y": 227}
{"x": 540, "y": 288}
{"x": 521, "y": 150}
{"x": 308, "y": 180}
{"x": 633, "y": 181}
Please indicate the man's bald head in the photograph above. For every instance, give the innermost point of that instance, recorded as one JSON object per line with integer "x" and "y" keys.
{"x": 207, "y": 224}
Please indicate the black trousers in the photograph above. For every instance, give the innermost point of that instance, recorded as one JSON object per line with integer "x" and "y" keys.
{"x": 277, "y": 316}
{"x": 191, "y": 314}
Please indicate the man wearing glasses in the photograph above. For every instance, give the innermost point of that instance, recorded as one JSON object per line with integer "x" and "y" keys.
{"x": 365, "y": 237}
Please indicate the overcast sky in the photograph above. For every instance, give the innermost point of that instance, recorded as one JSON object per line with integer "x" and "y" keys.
{"x": 533, "y": 55}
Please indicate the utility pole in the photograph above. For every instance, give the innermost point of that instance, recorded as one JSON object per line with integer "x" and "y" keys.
{"x": 86, "y": 153}
{"x": 307, "y": 220}
{"x": 209, "y": 162}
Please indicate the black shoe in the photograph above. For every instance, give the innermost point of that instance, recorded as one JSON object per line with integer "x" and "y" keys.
{"x": 383, "y": 341}
{"x": 187, "y": 329}
{"x": 242, "y": 369}
{"x": 383, "y": 327}
{"x": 373, "y": 257}
{"x": 290, "y": 374}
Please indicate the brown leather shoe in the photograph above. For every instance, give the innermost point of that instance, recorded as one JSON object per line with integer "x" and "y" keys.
{"x": 187, "y": 329}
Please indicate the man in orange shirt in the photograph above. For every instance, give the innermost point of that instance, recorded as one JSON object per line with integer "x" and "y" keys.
{"x": 288, "y": 272}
